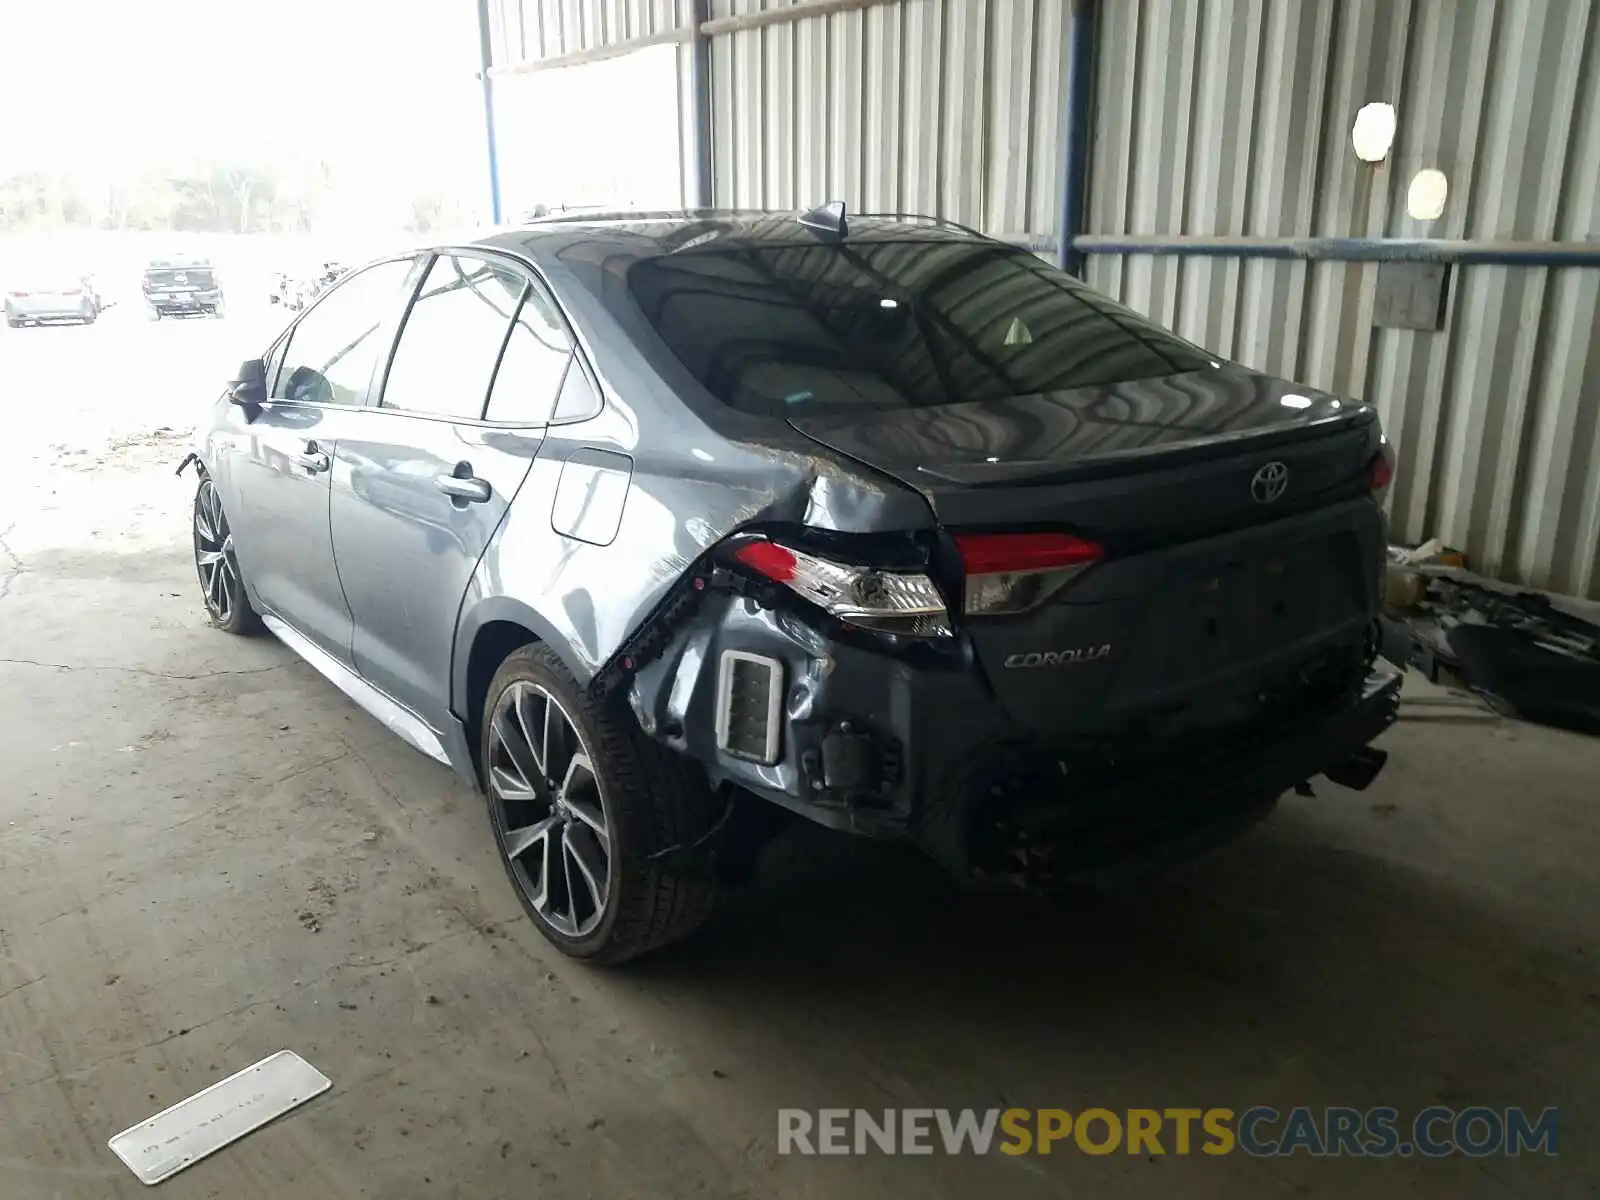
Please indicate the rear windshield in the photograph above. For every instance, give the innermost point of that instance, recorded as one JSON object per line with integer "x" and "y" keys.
{"x": 791, "y": 330}
{"x": 178, "y": 277}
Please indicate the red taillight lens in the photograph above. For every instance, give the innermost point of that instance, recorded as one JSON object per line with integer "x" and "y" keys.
{"x": 992, "y": 553}
{"x": 17, "y": 295}
{"x": 1013, "y": 572}
{"x": 1380, "y": 471}
{"x": 776, "y": 562}
{"x": 899, "y": 602}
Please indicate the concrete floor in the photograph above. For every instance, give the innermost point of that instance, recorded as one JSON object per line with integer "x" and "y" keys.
{"x": 207, "y": 854}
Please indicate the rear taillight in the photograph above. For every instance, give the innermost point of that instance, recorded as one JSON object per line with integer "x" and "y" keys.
{"x": 1380, "y": 471}
{"x": 1013, "y": 572}
{"x": 72, "y": 292}
{"x": 898, "y": 602}
{"x": 16, "y": 295}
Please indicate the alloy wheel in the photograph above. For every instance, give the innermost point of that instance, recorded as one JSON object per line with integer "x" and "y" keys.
{"x": 549, "y": 810}
{"x": 213, "y": 554}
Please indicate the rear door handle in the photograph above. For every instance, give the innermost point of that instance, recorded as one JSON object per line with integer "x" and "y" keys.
{"x": 469, "y": 487}
{"x": 312, "y": 459}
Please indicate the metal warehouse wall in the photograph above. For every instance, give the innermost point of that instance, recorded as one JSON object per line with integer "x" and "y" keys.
{"x": 1215, "y": 119}
{"x": 1232, "y": 117}
{"x": 946, "y": 107}
{"x": 943, "y": 107}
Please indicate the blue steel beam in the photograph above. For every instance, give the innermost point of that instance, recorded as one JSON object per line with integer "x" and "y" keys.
{"x": 485, "y": 61}
{"x": 1433, "y": 250}
{"x": 1077, "y": 125}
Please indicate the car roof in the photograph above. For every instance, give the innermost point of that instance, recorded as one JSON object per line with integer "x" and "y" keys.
{"x": 668, "y": 231}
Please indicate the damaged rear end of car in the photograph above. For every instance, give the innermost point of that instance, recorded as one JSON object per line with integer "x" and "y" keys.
{"x": 874, "y": 685}
{"x": 1141, "y": 603}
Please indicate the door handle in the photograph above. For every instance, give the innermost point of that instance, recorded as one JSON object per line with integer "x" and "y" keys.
{"x": 312, "y": 459}
{"x": 469, "y": 488}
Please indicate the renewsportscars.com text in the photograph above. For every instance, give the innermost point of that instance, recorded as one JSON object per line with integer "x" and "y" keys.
{"x": 1260, "y": 1131}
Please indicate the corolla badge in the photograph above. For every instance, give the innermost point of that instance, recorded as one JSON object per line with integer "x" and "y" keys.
{"x": 1269, "y": 483}
{"x": 1058, "y": 658}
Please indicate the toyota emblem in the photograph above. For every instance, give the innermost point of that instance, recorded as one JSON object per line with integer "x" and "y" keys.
{"x": 1269, "y": 483}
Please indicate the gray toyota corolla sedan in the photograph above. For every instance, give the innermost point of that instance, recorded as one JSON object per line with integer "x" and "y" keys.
{"x": 665, "y": 529}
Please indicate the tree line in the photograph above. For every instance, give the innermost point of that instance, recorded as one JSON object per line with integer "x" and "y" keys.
{"x": 214, "y": 197}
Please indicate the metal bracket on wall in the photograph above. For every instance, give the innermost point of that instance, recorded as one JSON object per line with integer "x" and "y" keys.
{"x": 1412, "y": 296}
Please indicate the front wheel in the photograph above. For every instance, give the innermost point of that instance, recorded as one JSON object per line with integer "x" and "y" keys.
{"x": 221, "y": 585}
{"x": 580, "y": 803}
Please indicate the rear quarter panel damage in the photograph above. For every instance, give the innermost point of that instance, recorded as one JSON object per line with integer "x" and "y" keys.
{"x": 592, "y": 563}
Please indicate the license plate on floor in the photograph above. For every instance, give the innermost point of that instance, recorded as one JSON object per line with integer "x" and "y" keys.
{"x": 223, "y": 1113}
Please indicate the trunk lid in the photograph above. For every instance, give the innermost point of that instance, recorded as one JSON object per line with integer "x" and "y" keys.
{"x": 1151, "y": 460}
{"x": 1222, "y": 593}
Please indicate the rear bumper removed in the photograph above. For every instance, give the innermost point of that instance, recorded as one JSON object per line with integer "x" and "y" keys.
{"x": 920, "y": 750}
{"x": 1115, "y": 825}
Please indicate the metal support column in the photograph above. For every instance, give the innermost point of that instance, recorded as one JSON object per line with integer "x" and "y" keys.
{"x": 485, "y": 61}
{"x": 700, "y": 80}
{"x": 1077, "y": 125}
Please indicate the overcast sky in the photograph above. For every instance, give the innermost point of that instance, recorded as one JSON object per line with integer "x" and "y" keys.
{"x": 109, "y": 87}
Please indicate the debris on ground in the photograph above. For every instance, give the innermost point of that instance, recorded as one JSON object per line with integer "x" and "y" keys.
{"x": 1527, "y": 656}
{"x": 1432, "y": 553}
{"x": 1405, "y": 583}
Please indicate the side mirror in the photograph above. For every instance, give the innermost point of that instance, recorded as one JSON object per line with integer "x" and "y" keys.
{"x": 249, "y": 390}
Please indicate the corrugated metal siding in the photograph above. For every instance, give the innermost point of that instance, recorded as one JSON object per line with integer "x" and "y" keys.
{"x": 1232, "y": 117}
{"x": 945, "y": 107}
{"x": 528, "y": 29}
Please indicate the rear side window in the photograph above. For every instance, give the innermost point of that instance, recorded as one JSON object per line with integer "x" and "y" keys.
{"x": 452, "y": 338}
{"x": 535, "y": 362}
{"x": 335, "y": 346}
{"x": 816, "y": 328}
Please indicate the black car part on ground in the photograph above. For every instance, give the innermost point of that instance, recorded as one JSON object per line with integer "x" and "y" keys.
{"x": 1530, "y": 659}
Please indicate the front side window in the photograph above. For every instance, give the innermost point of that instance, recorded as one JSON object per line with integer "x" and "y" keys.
{"x": 453, "y": 337}
{"x": 809, "y": 328}
{"x": 534, "y": 365}
{"x": 334, "y": 347}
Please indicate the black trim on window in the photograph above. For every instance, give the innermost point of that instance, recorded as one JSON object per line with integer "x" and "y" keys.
{"x": 286, "y": 338}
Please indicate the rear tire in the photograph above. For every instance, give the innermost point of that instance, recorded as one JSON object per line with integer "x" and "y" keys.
{"x": 646, "y": 798}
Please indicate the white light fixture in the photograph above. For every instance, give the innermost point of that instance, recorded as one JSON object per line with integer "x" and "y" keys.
{"x": 1426, "y": 196}
{"x": 1372, "y": 135}
{"x": 886, "y": 302}
{"x": 1295, "y": 400}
